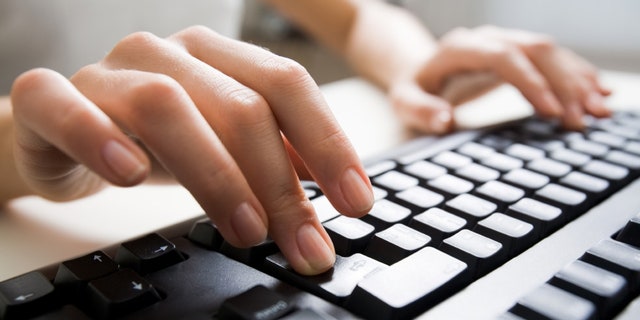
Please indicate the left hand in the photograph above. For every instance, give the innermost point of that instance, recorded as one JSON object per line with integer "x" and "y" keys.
{"x": 556, "y": 81}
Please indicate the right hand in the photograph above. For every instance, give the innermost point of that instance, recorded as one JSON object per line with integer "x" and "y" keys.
{"x": 228, "y": 119}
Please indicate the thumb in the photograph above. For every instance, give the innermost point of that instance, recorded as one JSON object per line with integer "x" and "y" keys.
{"x": 421, "y": 110}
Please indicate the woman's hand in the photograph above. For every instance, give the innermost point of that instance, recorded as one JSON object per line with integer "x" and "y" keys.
{"x": 228, "y": 119}
{"x": 557, "y": 82}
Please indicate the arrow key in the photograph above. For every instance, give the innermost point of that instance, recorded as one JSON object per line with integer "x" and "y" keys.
{"x": 120, "y": 293}
{"x": 148, "y": 254}
{"x": 74, "y": 274}
{"x": 26, "y": 295}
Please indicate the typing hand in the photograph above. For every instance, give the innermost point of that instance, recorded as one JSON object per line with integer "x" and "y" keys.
{"x": 557, "y": 82}
{"x": 229, "y": 120}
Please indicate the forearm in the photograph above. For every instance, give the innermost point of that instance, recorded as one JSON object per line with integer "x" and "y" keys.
{"x": 381, "y": 42}
{"x": 11, "y": 185}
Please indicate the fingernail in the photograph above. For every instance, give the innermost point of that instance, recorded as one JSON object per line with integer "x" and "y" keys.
{"x": 440, "y": 122}
{"x": 123, "y": 162}
{"x": 356, "y": 191}
{"x": 314, "y": 249}
{"x": 248, "y": 226}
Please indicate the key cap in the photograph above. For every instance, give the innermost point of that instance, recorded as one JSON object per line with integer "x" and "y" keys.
{"x": 624, "y": 159}
{"x": 395, "y": 243}
{"x": 395, "y": 180}
{"x": 437, "y": 223}
{"x": 630, "y": 233}
{"x": 589, "y": 147}
{"x": 254, "y": 255}
{"x": 526, "y": 179}
{"x": 616, "y": 257}
{"x": 515, "y": 235}
{"x": 477, "y": 173}
{"x": 334, "y": 285}
{"x": 470, "y": 207}
{"x": 380, "y": 168}
{"x": 475, "y": 150}
{"x": 26, "y": 295}
{"x": 549, "y": 167}
{"x": 257, "y": 303}
{"x": 524, "y": 152}
{"x": 480, "y": 253}
{"x": 73, "y": 275}
{"x": 571, "y": 157}
{"x": 425, "y": 170}
{"x": 502, "y": 162}
{"x": 543, "y": 217}
{"x": 499, "y": 192}
{"x": 420, "y": 197}
{"x": 205, "y": 233}
{"x": 605, "y": 289}
{"x": 324, "y": 209}
{"x": 549, "y": 302}
{"x": 349, "y": 235}
{"x": 120, "y": 293}
{"x": 570, "y": 201}
{"x": 386, "y": 213}
{"x": 451, "y": 185}
{"x": 609, "y": 171}
{"x": 148, "y": 254}
{"x": 607, "y": 138}
{"x": 409, "y": 286}
{"x": 451, "y": 160}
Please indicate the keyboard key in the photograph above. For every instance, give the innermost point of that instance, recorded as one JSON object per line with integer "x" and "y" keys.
{"x": 514, "y": 235}
{"x": 571, "y": 157}
{"x": 148, "y": 254}
{"x": 335, "y": 285}
{"x": 257, "y": 303}
{"x": 480, "y": 253}
{"x": 589, "y": 147}
{"x": 120, "y": 293}
{"x": 549, "y": 302}
{"x": 451, "y": 185}
{"x": 586, "y": 183}
{"x": 624, "y": 159}
{"x": 73, "y": 275}
{"x": 380, "y": 168}
{"x": 451, "y": 160}
{"x": 607, "y": 138}
{"x": 569, "y": 200}
{"x": 205, "y": 233}
{"x": 630, "y": 234}
{"x": 606, "y": 170}
{"x": 475, "y": 150}
{"x": 420, "y": 197}
{"x": 543, "y": 217}
{"x": 253, "y": 255}
{"x": 502, "y": 162}
{"x": 500, "y": 192}
{"x": 408, "y": 287}
{"x": 437, "y": 223}
{"x": 425, "y": 170}
{"x": 349, "y": 235}
{"x": 395, "y": 180}
{"x": 385, "y": 213}
{"x": 477, "y": 173}
{"x": 471, "y": 207}
{"x": 605, "y": 289}
{"x": 524, "y": 152}
{"x": 549, "y": 167}
{"x": 616, "y": 257}
{"x": 526, "y": 179}
{"x": 395, "y": 243}
{"x": 26, "y": 295}
{"x": 324, "y": 209}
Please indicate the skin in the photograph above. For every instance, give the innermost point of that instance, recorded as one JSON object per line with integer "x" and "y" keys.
{"x": 238, "y": 126}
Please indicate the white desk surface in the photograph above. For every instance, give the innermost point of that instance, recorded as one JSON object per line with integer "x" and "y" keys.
{"x": 35, "y": 233}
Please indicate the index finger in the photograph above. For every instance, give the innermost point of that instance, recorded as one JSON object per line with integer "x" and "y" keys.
{"x": 301, "y": 111}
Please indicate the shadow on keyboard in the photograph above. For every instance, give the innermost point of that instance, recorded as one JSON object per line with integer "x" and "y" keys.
{"x": 522, "y": 221}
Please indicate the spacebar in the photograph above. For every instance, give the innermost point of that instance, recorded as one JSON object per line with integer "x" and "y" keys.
{"x": 408, "y": 287}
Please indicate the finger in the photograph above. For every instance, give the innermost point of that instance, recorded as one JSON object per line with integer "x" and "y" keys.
{"x": 421, "y": 110}
{"x": 250, "y": 132}
{"x": 464, "y": 51}
{"x": 300, "y": 110}
{"x": 49, "y": 110}
{"x": 157, "y": 110}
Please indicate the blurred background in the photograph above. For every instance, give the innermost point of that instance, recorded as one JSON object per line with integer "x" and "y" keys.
{"x": 607, "y": 33}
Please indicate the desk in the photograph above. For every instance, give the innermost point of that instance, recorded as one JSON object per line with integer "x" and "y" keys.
{"x": 35, "y": 233}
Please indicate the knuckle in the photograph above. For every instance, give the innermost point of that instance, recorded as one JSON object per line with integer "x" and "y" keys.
{"x": 247, "y": 107}
{"x": 157, "y": 97}
{"x": 134, "y": 44}
{"x": 283, "y": 72}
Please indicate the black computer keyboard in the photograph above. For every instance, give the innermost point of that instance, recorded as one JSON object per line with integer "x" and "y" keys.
{"x": 454, "y": 216}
